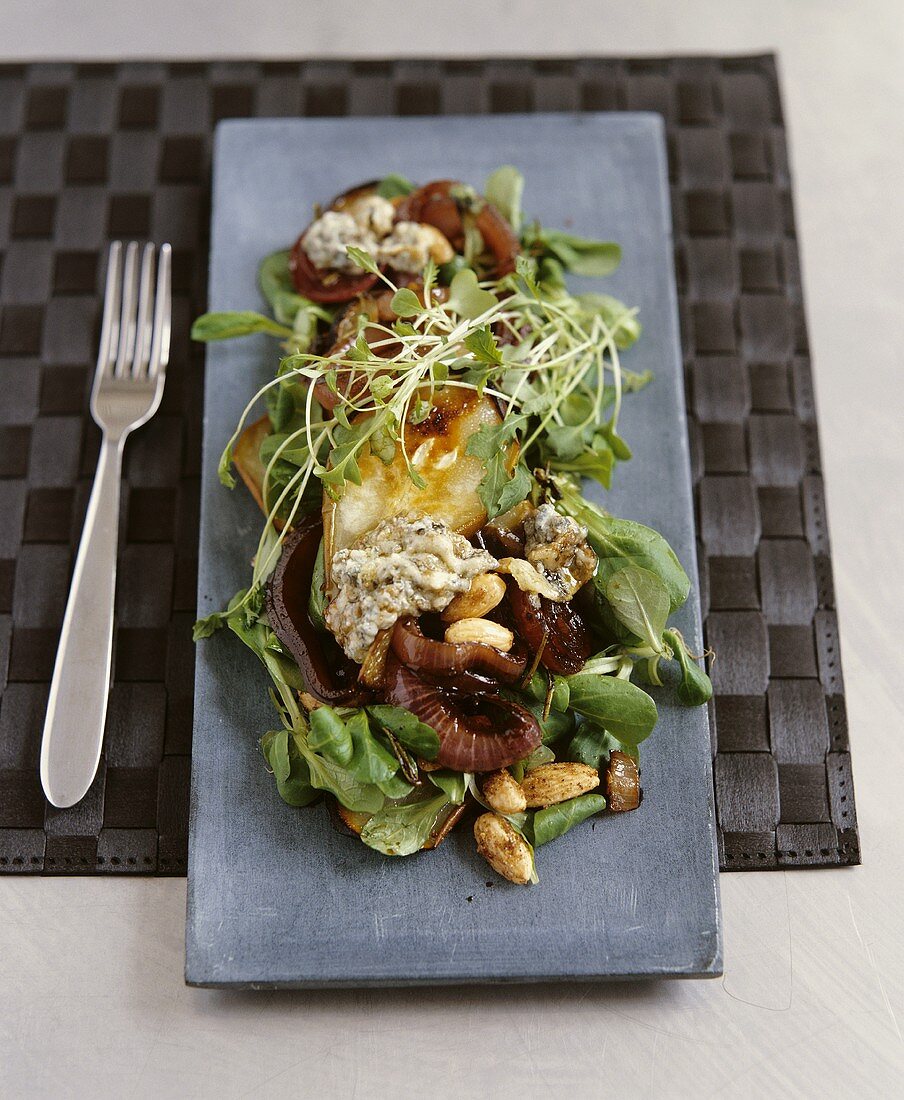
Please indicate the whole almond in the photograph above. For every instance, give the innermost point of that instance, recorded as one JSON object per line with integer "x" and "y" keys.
{"x": 503, "y": 792}
{"x": 551, "y": 783}
{"x": 484, "y": 631}
{"x": 505, "y": 851}
{"x": 486, "y": 591}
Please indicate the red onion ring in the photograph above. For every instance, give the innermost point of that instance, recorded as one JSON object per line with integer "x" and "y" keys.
{"x": 477, "y": 733}
{"x": 328, "y": 673}
{"x": 414, "y": 649}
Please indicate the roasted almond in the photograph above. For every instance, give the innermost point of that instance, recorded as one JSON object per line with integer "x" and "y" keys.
{"x": 486, "y": 592}
{"x": 552, "y": 783}
{"x": 503, "y": 793}
{"x": 505, "y": 851}
{"x": 484, "y": 631}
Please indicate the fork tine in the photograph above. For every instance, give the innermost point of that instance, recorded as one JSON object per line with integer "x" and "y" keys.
{"x": 145, "y": 307}
{"x": 127, "y": 313}
{"x": 109, "y": 331}
{"x": 160, "y": 341}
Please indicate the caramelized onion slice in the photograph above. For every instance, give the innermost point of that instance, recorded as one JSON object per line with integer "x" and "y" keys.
{"x": 433, "y": 204}
{"x": 329, "y": 674}
{"x": 622, "y": 783}
{"x": 451, "y": 659}
{"x": 568, "y": 641}
{"x": 477, "y": 733}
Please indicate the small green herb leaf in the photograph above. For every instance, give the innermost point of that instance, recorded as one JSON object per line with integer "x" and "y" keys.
{"x": 467, "y": 298}
{"x": 489, "y": 440}
{"x": 366, "y": 798}
{"x": 493, "y": 484}
{"x": 370, "y": 762}
{"x": 405, "y": 303}
{"x": 208, "y": 626}
{"x": 394, "y": 186}
{"x": 363, "y": 259}
{"x": 481, "y": 343}
{"x": 317, "y": 600}
{"x": 516, "y": 489}
{"x": 622, "y": 321}
{"x": 592, "y": 745}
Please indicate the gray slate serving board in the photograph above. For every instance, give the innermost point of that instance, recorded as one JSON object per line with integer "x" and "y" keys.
{"x": 277, "y": 898}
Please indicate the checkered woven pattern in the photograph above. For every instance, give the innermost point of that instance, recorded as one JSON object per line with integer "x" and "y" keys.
{"x": 92, "y": 153}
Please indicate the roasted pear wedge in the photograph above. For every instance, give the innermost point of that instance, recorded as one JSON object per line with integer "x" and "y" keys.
{"x": 247, "y": 458}
{"x": 437, "y": 450}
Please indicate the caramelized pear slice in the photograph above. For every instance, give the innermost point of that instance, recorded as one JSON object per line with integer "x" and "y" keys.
{"x": 437, "y": 450}
{"x": 247, "y": 458}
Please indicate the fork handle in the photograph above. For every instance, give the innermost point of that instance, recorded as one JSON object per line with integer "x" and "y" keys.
{"x": 77, "y": 707}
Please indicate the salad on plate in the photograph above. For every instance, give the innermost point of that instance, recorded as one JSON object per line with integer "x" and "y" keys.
{"x": 451, "y": 629}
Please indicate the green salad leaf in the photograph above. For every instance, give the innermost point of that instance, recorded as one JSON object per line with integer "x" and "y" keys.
{"x": 553, "y": 821}
{"x": 695, "y": 688}
{"x": 407, "y": 729}
{"x": 403, "y": 830}
{"x": 640, "y": 601}
{"x": 405, "y": 303}
{"x": 580, "y": 255}
{"x": 453, "y": 784}
{"x": 592, "y": 745}
{"x": 353, "y": 793}
{"x": 293, "y": 779}
{"x": 617, "y": 705}
{"x": 504, "y": 189}
{"x": 226, "y": 326}
{"x": 330, "y": 736}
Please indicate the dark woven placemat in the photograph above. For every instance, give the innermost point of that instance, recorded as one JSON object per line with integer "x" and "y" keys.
{"x": 90, "y": 152}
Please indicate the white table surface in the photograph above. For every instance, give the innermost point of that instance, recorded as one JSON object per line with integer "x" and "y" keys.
{"x": 92, "y": 1002}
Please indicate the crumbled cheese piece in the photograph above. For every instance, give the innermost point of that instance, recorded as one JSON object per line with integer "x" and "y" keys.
{"x": 557, "y": 547}
{"x": 529, "y": 578}
{"x": 330, "y": 235}
{"x": 373, "y": 213}
{"x": 410, "y": 245}
{"x": 404, "y": 566}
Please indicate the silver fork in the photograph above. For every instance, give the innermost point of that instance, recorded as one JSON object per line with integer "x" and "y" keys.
{"x": 128, "y": 386}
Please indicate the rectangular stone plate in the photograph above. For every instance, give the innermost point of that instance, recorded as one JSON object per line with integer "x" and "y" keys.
{"x": 277, "y": 897}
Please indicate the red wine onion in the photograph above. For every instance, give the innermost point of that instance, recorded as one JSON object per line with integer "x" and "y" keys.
{"x": 328, "y": 673}
{"x": 477, "y": 732}
{"x": 414, "y": 649}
